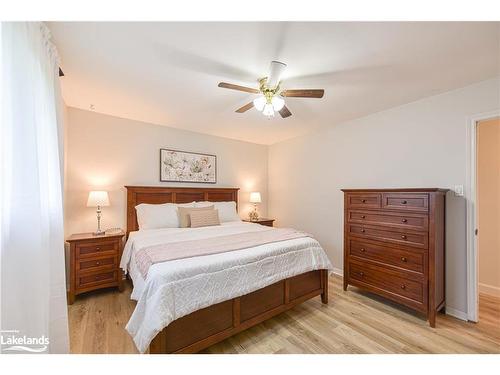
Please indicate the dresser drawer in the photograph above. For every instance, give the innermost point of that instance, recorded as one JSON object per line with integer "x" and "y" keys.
{"x": 410, "y": 221}
{"x": 99, "y": 264}
{"x": 396, "y": 236}
{"x": 411, "y": 260}
{"x": 96, "y": 279}
{"x": 94, "y": 249}
{"x": 405, "y": 201}
{"x": 364, "y": 200}
{"x": 390, "y": 282}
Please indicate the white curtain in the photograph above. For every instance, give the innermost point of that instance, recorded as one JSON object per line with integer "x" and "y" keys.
{"x": 33, "y": 287}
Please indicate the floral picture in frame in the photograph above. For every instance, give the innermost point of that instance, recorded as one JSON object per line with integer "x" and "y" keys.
{"x": 183, "y": 166}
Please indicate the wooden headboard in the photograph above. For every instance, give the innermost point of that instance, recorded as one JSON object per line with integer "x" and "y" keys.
{"x": 159, "y": 194}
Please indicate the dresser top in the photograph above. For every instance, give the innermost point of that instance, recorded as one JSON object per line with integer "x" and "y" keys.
{"x": 91, "y": 236}
{"x": 402, "y": 190}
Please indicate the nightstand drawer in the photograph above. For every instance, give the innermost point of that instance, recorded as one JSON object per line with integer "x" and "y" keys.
{"x": 94, "y": 279}
{"x": 93, "y": 249}
{"x": 99, "y": 264}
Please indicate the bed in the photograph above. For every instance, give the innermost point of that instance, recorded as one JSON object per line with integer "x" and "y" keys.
{"x": 186, "y": 305}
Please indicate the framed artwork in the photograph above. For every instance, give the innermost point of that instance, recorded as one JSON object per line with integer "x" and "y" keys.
{"x": 182, "y": 166}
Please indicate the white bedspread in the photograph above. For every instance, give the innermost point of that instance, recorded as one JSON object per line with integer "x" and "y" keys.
{"x": 176, "y": 288}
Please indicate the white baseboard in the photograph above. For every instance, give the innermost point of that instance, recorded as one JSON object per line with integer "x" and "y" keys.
{"x": 456, "y": 313}
{"x": 338, "y": 271}
{"x": 449, "y": 311}
{"x": 489, "y": 289}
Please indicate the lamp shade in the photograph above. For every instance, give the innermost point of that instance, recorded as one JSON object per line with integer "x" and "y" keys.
{"x": 259, "y": 103}
{"x": 98, "y": 198}
{"x": 255, "y": 197}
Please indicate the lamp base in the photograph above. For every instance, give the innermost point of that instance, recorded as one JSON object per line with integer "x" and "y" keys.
{"x": 253, "y": 215}
{"x": 99, "y": 233}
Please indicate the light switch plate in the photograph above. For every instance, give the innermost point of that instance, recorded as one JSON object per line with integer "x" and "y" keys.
{"x": 459, "y": 190}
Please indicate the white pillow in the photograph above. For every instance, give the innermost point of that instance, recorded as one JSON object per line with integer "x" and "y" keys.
{"x": 153, "y": 216}
{"x": 227, "y": 210}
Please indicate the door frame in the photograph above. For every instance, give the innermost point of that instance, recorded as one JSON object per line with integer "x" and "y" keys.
{"x": 471, "y": 198}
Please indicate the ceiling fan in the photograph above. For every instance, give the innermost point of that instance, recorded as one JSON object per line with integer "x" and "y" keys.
{"x": 270, "y": 98}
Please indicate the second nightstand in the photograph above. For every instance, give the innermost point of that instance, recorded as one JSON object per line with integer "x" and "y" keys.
{"x": 262, "y": 221}
{"x": 94, "y": 262}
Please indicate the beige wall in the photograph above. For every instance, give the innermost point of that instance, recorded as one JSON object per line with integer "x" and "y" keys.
{"x": 488, "y": 203}
{"x": 421, "y": 144}
{"x": 105, "y": 152}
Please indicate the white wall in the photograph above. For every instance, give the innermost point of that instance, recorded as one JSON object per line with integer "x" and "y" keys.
{"x": 488, "y": 204}
{"x": 421, "y": 144}
{"x": 105, "y": 153}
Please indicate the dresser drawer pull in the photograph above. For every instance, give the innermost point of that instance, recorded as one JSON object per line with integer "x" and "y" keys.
{"x": 404, "y": 220}
{"x": 362, "y": 231}
{"x": 98, "y": 248}
{"x": 403, "y": 259}
{"x": 362, "y": 249}
{"x": 403, "y": 237}
{"x": 404, "y": 202}
{"x": 403, "y": 286}
{"x": 362, "y": 274}
{"x": 363, "y": 200}
{"x": 97, "y": 263}
{"x": 363, "y": 216}
{"x": 97, "y": 277}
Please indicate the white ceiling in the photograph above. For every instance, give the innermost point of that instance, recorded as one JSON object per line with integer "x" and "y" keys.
{"x": 167, "y": 73}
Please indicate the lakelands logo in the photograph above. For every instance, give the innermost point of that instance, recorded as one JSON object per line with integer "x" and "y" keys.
{"x": 12, "y": 341}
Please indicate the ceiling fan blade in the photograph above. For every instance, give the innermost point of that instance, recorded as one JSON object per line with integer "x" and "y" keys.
{"x": 276, "y": 70}
{"x": 245, "y": 108}
{"x": 225, "y": 85}
{"x": 285, "y": 112}
{"x": 308, "y": 93}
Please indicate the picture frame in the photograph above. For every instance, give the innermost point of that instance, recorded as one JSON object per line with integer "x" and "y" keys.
{"x": 188, "y": 167}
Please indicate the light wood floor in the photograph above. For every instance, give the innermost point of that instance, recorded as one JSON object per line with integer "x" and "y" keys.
{"x": 353, "y": 322}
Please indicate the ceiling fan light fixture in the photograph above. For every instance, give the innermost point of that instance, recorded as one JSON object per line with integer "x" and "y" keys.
{"x": 278, "y": 103}
{"x": 268, "y": 110}
{"x": 259, "y": 103}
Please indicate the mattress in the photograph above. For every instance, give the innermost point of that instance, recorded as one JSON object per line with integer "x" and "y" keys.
{"x": 179, "y": 287}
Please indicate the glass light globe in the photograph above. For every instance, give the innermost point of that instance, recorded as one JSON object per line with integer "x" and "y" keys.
{"x": 259, "y": 103}
{"x": 268, "y": 110}
{"x": 278, "y": 103}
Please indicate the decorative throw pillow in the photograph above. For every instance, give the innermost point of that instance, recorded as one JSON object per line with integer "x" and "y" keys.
{"x": 184, "y": 212}
{"x": 227, "y": 210}
{"x": 204, "y": 218}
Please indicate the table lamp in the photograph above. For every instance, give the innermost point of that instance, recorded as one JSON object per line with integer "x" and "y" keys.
{"x": 98, "y": 199}
{"x": 254, "y": 198}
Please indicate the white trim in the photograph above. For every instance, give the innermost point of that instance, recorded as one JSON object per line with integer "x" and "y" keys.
{"x": 490, "y": 290}
{"x": 456, "y": 313}
{"x": 470, "y": 196}
{"x": 338, "y": 271}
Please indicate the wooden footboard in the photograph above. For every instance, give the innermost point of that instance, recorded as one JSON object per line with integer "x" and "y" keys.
{"x": 210, "y": 325}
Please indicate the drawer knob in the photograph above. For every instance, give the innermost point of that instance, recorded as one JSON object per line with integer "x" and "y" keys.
{"x": 363, "y": 200}
{"x": 404, "y": 220}
{"x": 362, "y": 249}
{"x": 98, "y": 248}
{"x": 403, "y": 259}
{"x": 362, "y": 274}
{"x": 403, "y": 286}
{"x": 97, "y": 277}
{"x": 362, "y": 231}
{"x": 404, "y": 202}
{"x": 97, "y": 263}
{"x": 363, "y": 216}
{"x": 403, "y": 237}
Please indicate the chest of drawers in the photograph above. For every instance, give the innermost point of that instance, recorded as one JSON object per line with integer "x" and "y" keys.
{"x": 94, "y": 262}
{"x": 394, "y": 245}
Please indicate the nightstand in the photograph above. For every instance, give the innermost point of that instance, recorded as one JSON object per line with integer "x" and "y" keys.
{"x": 261, "y": 221}
{"x": 94, "y": 262}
